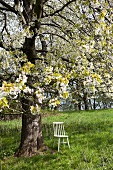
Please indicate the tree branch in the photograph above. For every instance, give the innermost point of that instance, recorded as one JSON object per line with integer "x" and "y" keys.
{"x": 57, "y": 35}
{"x": 59, "y": 10}
{"x": 8, "y": 7}
{"x": 1, "y": 45}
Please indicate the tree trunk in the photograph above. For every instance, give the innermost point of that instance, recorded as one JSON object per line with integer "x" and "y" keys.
{"x": 31, "y": 135}
{"x": 79, "y": 105}
{"x": 94, "y": 104}
{"x": 85, "y": 99}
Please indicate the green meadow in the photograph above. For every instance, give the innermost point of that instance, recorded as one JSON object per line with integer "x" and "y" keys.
{"x": 90, "y": 136}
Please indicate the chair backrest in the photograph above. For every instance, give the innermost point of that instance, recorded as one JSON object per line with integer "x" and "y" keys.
{"x": 58, "y": 128}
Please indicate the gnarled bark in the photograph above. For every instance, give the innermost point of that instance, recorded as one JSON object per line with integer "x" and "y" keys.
{"x": 31, "y": 135}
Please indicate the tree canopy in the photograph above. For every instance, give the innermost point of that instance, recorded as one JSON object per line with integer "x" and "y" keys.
{"x": 73, "y": 42}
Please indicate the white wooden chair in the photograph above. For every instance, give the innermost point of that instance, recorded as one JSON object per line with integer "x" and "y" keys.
{"x": 60, "y": 133}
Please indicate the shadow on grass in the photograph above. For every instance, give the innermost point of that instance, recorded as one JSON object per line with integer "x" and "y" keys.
{"x": 9, "y": 142}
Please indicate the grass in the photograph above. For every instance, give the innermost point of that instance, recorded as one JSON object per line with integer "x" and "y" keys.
{"x": 90, "y": 135}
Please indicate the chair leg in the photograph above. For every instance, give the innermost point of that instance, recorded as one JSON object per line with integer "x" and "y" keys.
{"x": 58, "y": 144}
{"x": 68, "y": 142}
{"x": 54, "y": 142}
{"x": 63, "y": 141}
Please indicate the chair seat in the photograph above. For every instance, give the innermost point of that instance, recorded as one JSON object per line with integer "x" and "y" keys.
{"x": 61, "y": 136}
